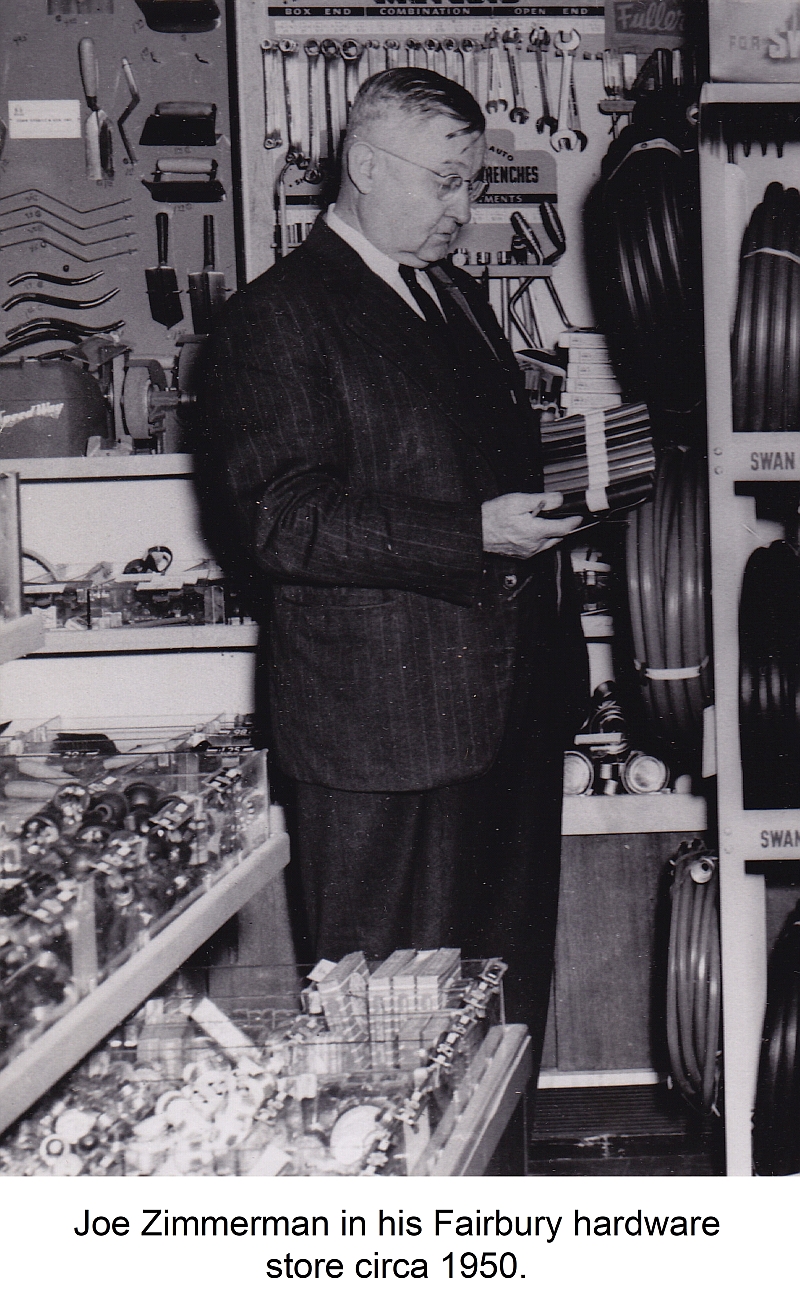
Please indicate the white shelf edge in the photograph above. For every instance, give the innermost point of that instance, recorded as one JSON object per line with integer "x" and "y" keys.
{"x": 645, "y": 813}
{"x": 750, "y": 92}
{"x": 64, "y": 1044}
{"x": 20, "y": 636}
{"x": 76, "y": 468}
{"x": 552, "y": 1079}
{"x": 142, "y": 639}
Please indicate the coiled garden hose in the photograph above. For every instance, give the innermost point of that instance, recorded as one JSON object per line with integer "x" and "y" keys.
{"x": 667, "y": 551}
{"x": 765, "y": 345}
{"x": 693, "y": 976}
{"x": 776, "y": 1121}
{"x": 769, "y": 677}
{"x": 653, "y": 299}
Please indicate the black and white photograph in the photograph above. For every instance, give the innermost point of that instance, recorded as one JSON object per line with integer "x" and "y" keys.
{"x": 399, "y": 736}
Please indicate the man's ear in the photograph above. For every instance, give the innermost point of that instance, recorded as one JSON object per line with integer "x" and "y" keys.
{"x": 361, "y": 162}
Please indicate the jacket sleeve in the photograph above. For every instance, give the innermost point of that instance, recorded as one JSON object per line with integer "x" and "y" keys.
{"x": 273, "y": 436}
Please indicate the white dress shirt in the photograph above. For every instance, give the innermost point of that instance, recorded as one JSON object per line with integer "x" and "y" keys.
{"x": 385, "y": 267}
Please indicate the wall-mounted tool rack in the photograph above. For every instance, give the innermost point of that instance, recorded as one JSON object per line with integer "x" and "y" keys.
{"x": 750, "y": 141}
{"x": 128, "y": 124}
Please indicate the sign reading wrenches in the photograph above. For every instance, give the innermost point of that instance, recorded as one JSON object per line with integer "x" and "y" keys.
{"x": 563, "y": 137}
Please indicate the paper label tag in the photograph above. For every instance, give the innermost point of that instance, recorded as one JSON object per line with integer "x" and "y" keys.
{"x": 44, "y": 119}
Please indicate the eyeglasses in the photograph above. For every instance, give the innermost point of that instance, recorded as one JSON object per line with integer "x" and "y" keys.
{"x": 448, "y": 185}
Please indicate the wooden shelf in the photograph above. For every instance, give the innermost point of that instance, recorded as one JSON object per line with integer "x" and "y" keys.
{"x": 510, "y": 272}
{"x": 20, "y": 636}
{"x": 156, "y": 639}
{"x": 641, "y": 813}
{"x": 65, "y": 1043}
{"x": 76, "y": 468}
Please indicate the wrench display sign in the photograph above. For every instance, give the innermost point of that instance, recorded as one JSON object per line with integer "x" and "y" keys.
{"x": 515, "y": 177}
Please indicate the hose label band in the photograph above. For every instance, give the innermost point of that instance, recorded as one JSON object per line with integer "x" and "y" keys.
{"x": 671, "y": 673}
{"x": 773, "y": 252}
{"x": 646, "y": 146}
{"x": 597, "y": 461}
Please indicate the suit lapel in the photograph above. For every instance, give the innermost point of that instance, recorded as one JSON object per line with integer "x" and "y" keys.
{"x": 379, "y": 316}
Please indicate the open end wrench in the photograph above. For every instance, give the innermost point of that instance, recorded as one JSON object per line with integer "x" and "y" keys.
{"x": 538, "y": 42}
{"x": 575, "y": 115}
{"x": 453, "y": 60}
{"x": 274, "y": 128}
{"x": 563, "y": 137}
{"x": 519, "y": 112}
{"x": 496, "y": 101}
{"x": 469, "y": 51}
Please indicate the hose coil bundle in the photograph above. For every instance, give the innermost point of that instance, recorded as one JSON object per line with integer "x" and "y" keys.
{"x": 693, "y": 975}
{"x": 776, "y": 1125}
{"x": 667, "y": 561}
{"x": 769, "y": 677}
{"x": 601, "y": 461}
{"x": 765, "y": 347}
{"x": 653, "y": 301}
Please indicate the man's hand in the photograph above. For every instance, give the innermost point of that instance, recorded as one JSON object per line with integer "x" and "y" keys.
{"x": 513, "y": 524}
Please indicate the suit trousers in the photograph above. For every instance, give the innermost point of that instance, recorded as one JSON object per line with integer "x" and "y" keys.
{"x": 472, "y": 864}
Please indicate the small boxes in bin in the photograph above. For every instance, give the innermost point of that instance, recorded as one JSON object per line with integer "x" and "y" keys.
{"x": 192, "y": 1085}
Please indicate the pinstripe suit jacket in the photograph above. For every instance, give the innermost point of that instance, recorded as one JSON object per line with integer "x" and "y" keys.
{"x": 352, "y": 470}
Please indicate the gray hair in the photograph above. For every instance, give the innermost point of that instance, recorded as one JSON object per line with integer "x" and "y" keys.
{"x": 416, "y": 92}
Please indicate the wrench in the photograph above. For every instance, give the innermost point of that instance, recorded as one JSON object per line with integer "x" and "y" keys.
{"x": 538, "y": 43}
{"x": 330, "y": 53}
{"x": 575, "y": 115}
{"x": 469, "y": 51}
{"x": 294, "y": 138}
{"x": 313, "y": 173}
{"x": 432, "y": 48}
{"x": 392, "y": 48}
{"x": 452, "y": 57}
{"x": 375, "y": 61}
{"x": 351, "y": 53}
{"x": 563, "y": 137}
{"x": 496, "y": 100}
{"x": 274, "y": 125}
{"x": 412, "y": 45}
{"x": 519, "y": 112}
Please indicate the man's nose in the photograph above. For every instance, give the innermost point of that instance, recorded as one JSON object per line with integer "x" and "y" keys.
{"x": 458, "y": 205}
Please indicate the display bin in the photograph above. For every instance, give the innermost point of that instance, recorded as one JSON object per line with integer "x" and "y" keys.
{"x": 259, "y": 1085}
{"x": 111, "y": 832}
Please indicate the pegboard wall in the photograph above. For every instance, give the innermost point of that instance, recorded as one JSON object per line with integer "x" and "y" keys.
{"x": 85, "y": 170}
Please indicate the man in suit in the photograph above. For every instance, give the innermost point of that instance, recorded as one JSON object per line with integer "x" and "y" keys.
{"x": 380, "y": 472}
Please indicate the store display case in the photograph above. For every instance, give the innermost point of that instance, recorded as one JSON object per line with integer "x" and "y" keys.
{"x": 266, "y": 1086}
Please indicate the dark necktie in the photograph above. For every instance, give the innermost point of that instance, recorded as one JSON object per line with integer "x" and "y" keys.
{"x": 423, "y": 299}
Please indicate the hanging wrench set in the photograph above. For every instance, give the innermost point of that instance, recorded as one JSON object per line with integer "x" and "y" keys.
{"x": 531, "y": 77}
{"x": 116, "y": 237}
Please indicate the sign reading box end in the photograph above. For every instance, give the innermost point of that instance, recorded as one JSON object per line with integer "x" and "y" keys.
{"x": 44, "y": 119}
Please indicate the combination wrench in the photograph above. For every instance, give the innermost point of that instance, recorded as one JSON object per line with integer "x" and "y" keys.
{"x": 469, "y": 51}
{"x": 538, "y": 42}
{"x": 376, "y": 57}
{"x": 453, "y": 60}
{"x": 392, "y": 48}
{"x": 519, "y": 113}
{"x": 294, "y": 126}
{"x": 563, "y": 137}
{"x": 412, "y": 46}
{"x": 496, "y": 99}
